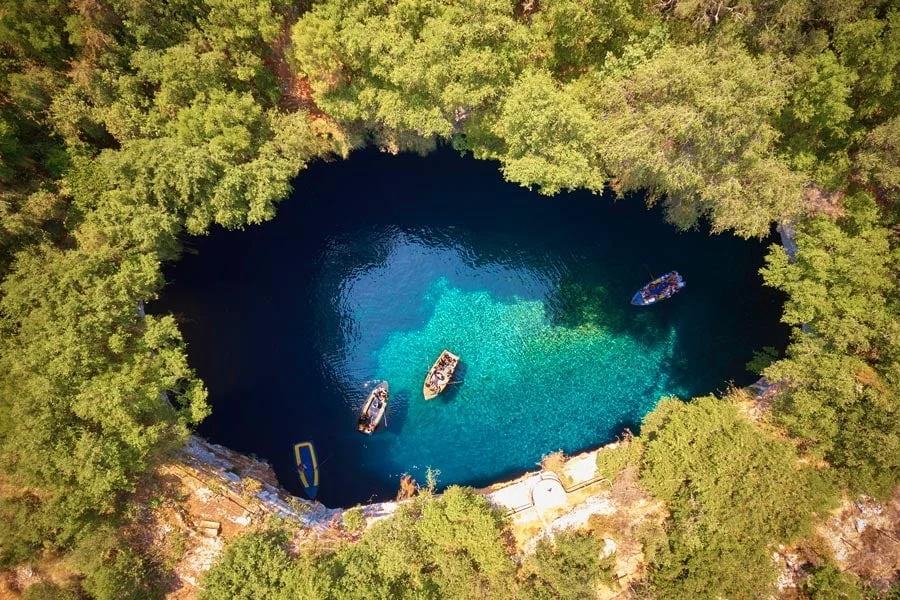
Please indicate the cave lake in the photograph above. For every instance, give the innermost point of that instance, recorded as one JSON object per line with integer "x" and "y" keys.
{"x": 376, "y": 263}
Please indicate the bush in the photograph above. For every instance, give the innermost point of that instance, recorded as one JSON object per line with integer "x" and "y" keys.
{"x": 45, "y": 590}
{"x": 733, "y": 492}
{"x": 829, "y": 583}
{"x": 111, "y": 569}
{"x": 450, "y": 546}
{"x": 612, "y": 461}
{"x": 253, "y": 566}
{"x": 567, "y": 568}
{"x": 354, "y": 520}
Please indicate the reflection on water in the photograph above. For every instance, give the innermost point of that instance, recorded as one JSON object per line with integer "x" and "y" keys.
{"x": 292, "y": 323}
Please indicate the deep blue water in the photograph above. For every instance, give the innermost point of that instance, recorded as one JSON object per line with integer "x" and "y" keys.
{"x": 377, "y": 263}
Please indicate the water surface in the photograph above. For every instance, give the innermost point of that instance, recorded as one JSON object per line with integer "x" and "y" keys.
{"x": 377, "y": 263}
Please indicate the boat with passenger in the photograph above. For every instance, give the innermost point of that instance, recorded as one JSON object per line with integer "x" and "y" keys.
{"x": 308, "y": 467}
{"x": 658, "y": 289}
{"x": 440, "y": 374}
{"x": 373, "y": 410}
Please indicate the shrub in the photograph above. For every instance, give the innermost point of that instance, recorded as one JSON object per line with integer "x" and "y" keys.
{"x": 354, "y": 520}
{"x": 46, "y": 590}
{"x": 612, "y": 461}
{"x": 253, "y": 566}
{"x": 829, "y": 583}
{"x": 567, "y": 568}
{"x": 111, "y": 569}
{"x": 733, "y": 492}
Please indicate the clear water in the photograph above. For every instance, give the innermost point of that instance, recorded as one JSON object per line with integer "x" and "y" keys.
{"x": 376, "y": 264}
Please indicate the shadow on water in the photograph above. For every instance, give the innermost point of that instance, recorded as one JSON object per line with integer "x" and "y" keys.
{"x": 398, "y": 409}
{"x": 456, "y": 384}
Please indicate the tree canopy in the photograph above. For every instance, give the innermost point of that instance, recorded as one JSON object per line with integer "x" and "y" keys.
{"x": 733, "y": 491}
{"x": 127, "y": 124}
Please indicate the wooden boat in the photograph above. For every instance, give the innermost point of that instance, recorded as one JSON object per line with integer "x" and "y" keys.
{"x": 308, "y": 467}
{"x": 658, "y": 289}
{"x": 440, "y": 374}
{"x": 374, "y": 409}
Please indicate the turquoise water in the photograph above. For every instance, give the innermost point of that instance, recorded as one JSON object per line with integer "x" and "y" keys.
{"x": 525, "y": 382}
{"x": 378, "y": 263}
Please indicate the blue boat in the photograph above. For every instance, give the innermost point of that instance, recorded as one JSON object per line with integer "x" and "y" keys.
{"x": 308, "y": 467}
{"x": 658, "y": 289}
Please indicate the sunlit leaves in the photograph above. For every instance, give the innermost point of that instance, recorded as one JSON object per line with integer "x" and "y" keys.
{"x": 842, "y": 368}
{"x": 733, "y": 492}
{"x": 448, "y": 547}
{"x": 406, "y": 64}
{"x": 549, "y": 137}
{"x": 693, "y": 126}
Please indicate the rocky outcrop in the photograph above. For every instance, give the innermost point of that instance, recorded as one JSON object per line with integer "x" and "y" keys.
{"x": 254, "y": 482}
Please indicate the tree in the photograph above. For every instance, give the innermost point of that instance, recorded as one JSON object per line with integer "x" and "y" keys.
{"x": 37, "y": 30}
{"x": 253, "y": 567}
{"x": 843, "y": 370}
{"x": 111, "y": 570}
{"x": 827, "y": 582}
{"x": 407, "y": 65}
{"x": 82, "y": 377}
{"x": 733, "y": 492}
{"x": 446, "y": 547}
{"x": 435, "y": 547}
{"x": 574, "y": 36}
{"x": 693, "y": 126}
{"x": 870, "y": 48}
{"x": 548, "y": 136}
{"x": 878, "y": 161}
{"x": 567, "y": 568}
{"x": 44, "y": 590}
{"x": 818, "y": 120}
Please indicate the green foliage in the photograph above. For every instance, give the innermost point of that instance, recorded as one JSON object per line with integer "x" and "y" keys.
{"x": 818, "y": 118}
{"x": 548, "y": 137}
{"x": 48, "y": 591}
{"x": 254, "y": 566}
{"x": 82, "y": 378}
{"x": 572, "y": 35}
{"x": 840, "y": 284}
{"x": 844, "y": 366}
{"x": 36, "y": 29}
{"x": 311, "y": 577}
{"x": 870, "y": 48}
{"x": 126, "y": 123}
{"x": 354, "y": 520}
{"x": 439, "y": 547}
{"x": 829, "y": 583}
{"x": 567, "y": 568}
{"x": 788, "y": 28}
{"x": 693, "y": 126}
{"x": 733, "y": 492}
{"x": 878, "y": 160}
{"x": 406, "y": 64}
{"x": 447, "y": 547}
{"x": 112, "y": 570}
{"x": 612, "y": 461}
{"x": 762, "y": 359}
{"x": 122, "y": 126}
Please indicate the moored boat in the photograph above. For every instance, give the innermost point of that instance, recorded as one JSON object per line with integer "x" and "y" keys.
{"x": 308, "y": 467}
{"x": 373, "y": 410}
{"x": 440, "y": 374}
{"x": 658, "y": 289}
